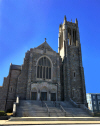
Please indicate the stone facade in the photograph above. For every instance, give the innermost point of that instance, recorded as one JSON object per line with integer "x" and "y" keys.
{"x": 62, "y": 78}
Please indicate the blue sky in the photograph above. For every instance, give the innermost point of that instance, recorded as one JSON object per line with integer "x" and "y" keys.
{"x": 25, "y": 23}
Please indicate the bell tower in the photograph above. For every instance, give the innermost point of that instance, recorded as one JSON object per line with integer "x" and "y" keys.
{"x": 69, "y": 48}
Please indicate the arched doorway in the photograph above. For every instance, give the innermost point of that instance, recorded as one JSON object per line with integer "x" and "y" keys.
{"x": 44, "y": 94}
{"x": 34, "y": 94}
{"x": 53, "y": 95}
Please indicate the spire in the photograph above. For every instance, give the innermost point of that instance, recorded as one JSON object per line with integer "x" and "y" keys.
{"x": 76, "y": 22}
{"x": 65, "y": 19}
{"x": 71, "y": 20}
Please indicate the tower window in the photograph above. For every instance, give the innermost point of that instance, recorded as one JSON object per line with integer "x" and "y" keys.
{"x": 70, "y": 31}
{"x": 74, "y": 74}
{"x": 68, "y": 41}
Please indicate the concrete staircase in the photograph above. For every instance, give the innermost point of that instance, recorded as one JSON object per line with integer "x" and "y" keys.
{"x": 29, "y": 108}
{"x": 54, "y": 111}
{"x": 72, "y": 111}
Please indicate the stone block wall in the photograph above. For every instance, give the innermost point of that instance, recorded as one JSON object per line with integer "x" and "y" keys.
{"x": 11, "y": 94}
{"x": 23, "y": 78}
{"x": 2, "y": 105}
{"x": 75, "y": 74}
{"x": 3, "y": 93}
{"x": 13, "y": 84}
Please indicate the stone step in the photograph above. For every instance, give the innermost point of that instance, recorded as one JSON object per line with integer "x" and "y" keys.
{"x": 55, "y": 119}
{"x": 30, "y": 114}
{"x": 34, "y": 108}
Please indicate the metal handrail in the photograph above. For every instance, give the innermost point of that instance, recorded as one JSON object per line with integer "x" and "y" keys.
{"x": 62, "y": 109}
{"x": 47, "y": 109}
{"x": 74, "y": 103}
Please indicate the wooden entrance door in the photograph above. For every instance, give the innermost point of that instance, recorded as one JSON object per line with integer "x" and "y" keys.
{"x": 53, "y": 96}
{"x": 44, "y": 96}
{"x": 33, "y": 95}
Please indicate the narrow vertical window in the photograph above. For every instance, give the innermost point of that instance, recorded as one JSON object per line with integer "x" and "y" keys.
{"x": 38, "y": 72}
{"x": 74, "y": 74}
{"x": 68, "y": 41}
{"x": 75, "y": 38}
{"x": 73, "y": 35}
{"x": 44, "y": 72}
{"x": 47, "y": 73}
{"x": 41, "y": 72}
{"x": 70, "y": 31}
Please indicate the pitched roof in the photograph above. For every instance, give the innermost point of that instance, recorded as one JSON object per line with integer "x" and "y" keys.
{"x": 15, "y": 67}
{"x": 45, "y": 45}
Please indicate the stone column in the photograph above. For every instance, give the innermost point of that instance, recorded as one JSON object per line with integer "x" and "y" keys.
{"x": 38, "y": 96}
{"x": 49, "y": 96}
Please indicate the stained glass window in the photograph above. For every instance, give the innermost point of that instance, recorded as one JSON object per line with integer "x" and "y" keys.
{"x": 44, "y": 68}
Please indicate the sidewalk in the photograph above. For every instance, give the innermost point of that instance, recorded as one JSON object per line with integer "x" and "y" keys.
{"x": 56, "y": 121}
{"x": 47, "y": 122}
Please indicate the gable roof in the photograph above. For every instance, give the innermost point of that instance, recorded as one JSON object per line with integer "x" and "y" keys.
{"x": 45, "y": 45}
{"x": 15, "y": 67}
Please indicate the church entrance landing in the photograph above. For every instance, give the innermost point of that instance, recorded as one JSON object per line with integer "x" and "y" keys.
{"x": 44, "y": 96}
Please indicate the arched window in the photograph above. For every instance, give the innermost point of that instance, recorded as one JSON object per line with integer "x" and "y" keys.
{"x": 44, "y": 68}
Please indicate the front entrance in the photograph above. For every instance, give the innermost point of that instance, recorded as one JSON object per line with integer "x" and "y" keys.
{"x": 33, "y": 95}
{"x": 53, "y": 96}
{"x": 44, "y": 96}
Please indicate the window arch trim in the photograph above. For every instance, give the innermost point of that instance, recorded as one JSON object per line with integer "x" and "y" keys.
{"x": 46, "y": 57}
{"x": 45, "y": 67}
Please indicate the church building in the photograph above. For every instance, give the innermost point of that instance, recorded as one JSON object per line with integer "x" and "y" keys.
{"x": 47, "y": 75}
